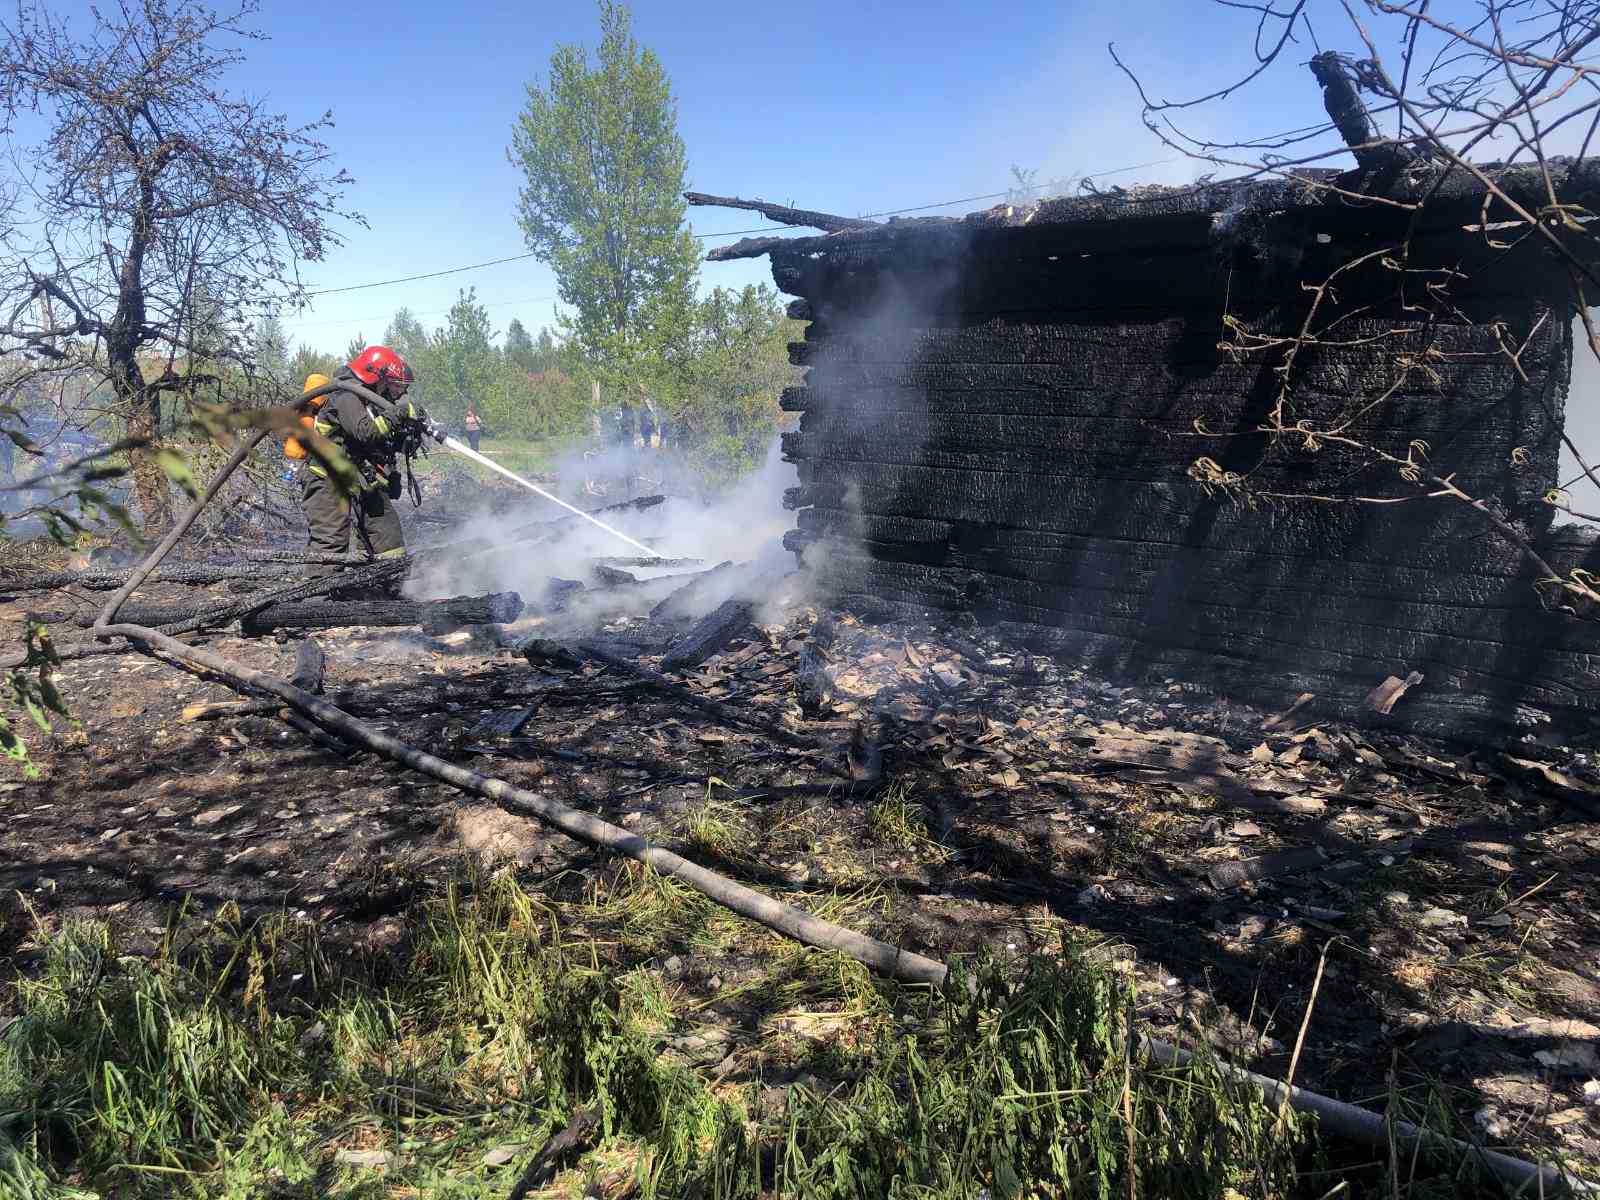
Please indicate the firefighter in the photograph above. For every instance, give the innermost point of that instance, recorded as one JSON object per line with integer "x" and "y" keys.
{"x": 373, "y": 442}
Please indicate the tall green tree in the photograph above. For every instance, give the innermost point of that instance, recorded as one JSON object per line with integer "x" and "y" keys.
{"x": 604, "y": 173}
{"x": 412, "y": 342}
{"x": 309, "y": 361}
{"x": 407, "y": 336}
{"x": 519, "y": 349}
{"x": 272, "y": 348}
{"x": 462, "y": 362}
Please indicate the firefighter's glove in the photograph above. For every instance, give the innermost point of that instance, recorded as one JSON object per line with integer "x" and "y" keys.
{"x": 395, "y": 485}
{"x": 429, "y": 428}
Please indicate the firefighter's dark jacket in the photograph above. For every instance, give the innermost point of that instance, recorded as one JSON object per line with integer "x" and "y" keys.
{"x": 365, "y": 437}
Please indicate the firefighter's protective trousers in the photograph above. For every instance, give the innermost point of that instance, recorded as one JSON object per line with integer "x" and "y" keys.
{"x": 366, "y": 522}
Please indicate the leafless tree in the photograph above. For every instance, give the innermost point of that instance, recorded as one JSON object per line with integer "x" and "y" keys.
{"x": 157, "y": 213}
{"x": 1431, "y": 109}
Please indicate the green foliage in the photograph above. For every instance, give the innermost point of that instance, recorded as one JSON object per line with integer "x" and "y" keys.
{"x": 30, "y": 688}
{"x": 176, "y": 468}
{"x": 410, "y": 340}
{"x": 272, "y": 350}
{"x": 722, "y": 385}
{"x": 548, "y": 404}
{"x": 234, "y": 1055}
{"x": 602, "y": 201}
{"x": 519, "y": 348}
{"x": 308, "y": 361}
{"x": 460, "y": 362}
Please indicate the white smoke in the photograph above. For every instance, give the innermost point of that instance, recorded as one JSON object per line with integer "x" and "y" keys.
{"x": 744, "y": 525}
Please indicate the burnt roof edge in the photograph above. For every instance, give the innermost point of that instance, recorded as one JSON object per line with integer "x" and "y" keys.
{"x": 1576, "y": 181}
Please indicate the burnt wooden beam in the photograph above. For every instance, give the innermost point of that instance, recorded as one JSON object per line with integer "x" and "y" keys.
{"x": 493, "y": 609}
{"x": 310, "y": 667}
{"x": 813, "y": 681}
{"x": 602, "y": 575}
{"x": 193, "y": 574}
{"x": 782, "y": 213}
{"x": 1126, "y": 219}
{"x": 1340, "y": 97}
{"x": 685, "y": 601}
{"x": 710, "y": 635}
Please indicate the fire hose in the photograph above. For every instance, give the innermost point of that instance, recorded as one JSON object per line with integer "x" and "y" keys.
{"x": 426, "y": 428}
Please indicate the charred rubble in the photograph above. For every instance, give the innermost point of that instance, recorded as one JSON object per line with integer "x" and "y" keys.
{"x": 1002, "y": 417}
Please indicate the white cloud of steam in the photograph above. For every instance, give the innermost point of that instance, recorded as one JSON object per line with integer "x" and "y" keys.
{"x": 746, "y": 524}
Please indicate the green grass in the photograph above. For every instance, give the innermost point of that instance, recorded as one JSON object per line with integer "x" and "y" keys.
{"x": 897, "y": 821}
{"x": 236, "y": 1062}
{"x": 524, "y": 456}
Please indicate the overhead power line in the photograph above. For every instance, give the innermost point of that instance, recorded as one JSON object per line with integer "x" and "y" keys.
{"x": 358, "y": 287}
{"x": 433, "y": 312}
{"x": 893, "y": 212}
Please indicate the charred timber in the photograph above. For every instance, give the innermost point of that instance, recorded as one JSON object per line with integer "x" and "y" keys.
{"x": 193, "y": 574}
{"x": 781, "y": 213}
{"x": 697, "y": 593}
{"x": 710, "y": 635}
{"x": 1154, "y": 216}
{"x": 1340, "y": 97}
{"x": 493, "y": 609}
{"x": 813, "y": 681}
{"x": 1009, "y": 421}
{"x": 310, "y": 667}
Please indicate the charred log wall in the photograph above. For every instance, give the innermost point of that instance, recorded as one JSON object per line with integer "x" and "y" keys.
{"x": 1004, "y": 421}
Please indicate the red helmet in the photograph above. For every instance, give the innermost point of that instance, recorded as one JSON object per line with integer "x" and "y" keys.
{"x": 379, "y": 364}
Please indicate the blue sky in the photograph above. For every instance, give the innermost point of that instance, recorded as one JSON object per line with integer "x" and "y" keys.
{"x": 853, "y": 109}
{"x": 856, "y": 109}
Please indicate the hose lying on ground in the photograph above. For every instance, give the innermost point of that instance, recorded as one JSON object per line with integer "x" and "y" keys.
{"x": 784, "y": 918}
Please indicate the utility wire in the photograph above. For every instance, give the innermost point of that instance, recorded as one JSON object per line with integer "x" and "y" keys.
{"x": 434, "y": 312}
{"x": 357, "y": 287}
{"x": 893, "y": 212}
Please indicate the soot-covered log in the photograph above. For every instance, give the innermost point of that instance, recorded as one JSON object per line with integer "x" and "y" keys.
{"x": 493, "y": 609}
{"x": 1147, "y": 216}
{"x": 193, "y": 574}
{"x": 812, "y": 680}
{"x": 310, "y": 667}
{"x": 698, "y": 593}
{"x": 710, "y": 635}
{"x": 1350, "y": 117}
{"x": 781, "y": 213}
